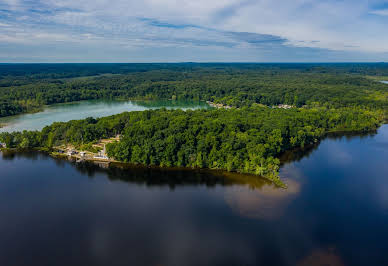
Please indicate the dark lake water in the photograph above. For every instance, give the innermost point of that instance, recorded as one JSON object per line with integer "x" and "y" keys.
{"x": 335, "y": 212}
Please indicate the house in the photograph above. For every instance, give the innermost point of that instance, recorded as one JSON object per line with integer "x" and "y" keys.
{"x": 70, "y": 152}
{"x": 219, "y": 105}
{"x": 102, "y": 154}
{"x": 283, "y": 106}
{"x": 3, "y": 145}
{"x": 82, "y": 154}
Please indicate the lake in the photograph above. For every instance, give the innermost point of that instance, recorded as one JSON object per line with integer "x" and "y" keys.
{"x": 334, "y": 212}
{"x": 79, "y": 110}
{"x": 384, "y": 81}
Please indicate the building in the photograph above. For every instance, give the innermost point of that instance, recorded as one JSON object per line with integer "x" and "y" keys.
{"x": 3, "y": 145}
{"x": 219, "y": 105}
{"x": 70, "y": 152}
{"x": 102, "y": 154}
{"x": 284, "y": 106}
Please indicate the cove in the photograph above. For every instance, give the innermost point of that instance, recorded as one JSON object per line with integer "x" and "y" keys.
{"x": 79, "y": 110}
{"x": 335, "y": 211}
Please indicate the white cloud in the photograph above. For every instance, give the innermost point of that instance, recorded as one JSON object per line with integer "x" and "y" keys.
{"x": 327, "y": 25}
{"x": 381, "y": 12}
{"x": 338, "y": 25}
{"x": 321, "y": 24}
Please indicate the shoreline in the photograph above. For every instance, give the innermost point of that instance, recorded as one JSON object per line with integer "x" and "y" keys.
{"x": 114, "y": 163}
{"x": 118, "y": 99}
{"x": 111, "y": 162}
{"x": 277, "y": 182}
{"x": 88, "y": 156}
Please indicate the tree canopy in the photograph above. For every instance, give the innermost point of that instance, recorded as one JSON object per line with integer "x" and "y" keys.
{"x": 248, "y": 138}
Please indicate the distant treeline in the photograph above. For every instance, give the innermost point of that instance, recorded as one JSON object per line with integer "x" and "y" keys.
{"x": 25, "y": 88}
{"x": 247, "y": 140}
{"x": 70, "y": 70}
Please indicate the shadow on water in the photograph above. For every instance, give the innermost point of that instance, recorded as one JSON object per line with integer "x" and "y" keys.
{"x": 175, "y": 177}
{"x": 171, "y": 177}
{"x": 179, "y": 177}
{"x": 329, "y": 215}
{"x": 298, "y": 154}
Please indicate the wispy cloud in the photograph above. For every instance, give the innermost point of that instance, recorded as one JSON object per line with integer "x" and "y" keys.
{"x": 168, "y": 30}
{"x": 381, "y": 12}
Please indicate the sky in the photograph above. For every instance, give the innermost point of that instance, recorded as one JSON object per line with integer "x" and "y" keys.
{"x": 193, "y": 31}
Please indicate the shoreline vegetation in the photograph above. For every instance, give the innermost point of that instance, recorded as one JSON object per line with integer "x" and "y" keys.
{"x": 261, "y": 111}
{"x": 223, "y": 177}
{"x": 247, "y": 140}
{"x": 28, "y": 88}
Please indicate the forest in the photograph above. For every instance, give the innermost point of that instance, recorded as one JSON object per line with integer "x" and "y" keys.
{"x": 248, "y": 138}
{"x": 27, "y": 88}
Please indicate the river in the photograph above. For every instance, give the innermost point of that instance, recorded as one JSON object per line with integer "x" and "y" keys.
{"x": 79, "y": 110}
{"x": 334, "y": 212}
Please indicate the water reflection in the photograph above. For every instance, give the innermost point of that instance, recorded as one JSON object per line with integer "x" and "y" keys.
{"x": 352, "y": 135}
{"x": 322, "y": 257}
{"x": 333, "y": 213}
{"x": 125, "y": 216}
{"x": 268, "y": 202}
{"x": 150, "y": 176}
{"x": 298, "y": 154}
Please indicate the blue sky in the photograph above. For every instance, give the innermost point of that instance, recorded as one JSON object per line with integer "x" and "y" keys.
{"x": 198, "y": 31}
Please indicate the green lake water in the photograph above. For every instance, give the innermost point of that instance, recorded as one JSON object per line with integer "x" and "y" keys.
{"x": 79, "y": 110}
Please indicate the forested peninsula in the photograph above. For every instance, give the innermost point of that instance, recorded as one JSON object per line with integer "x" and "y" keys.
{"x": 248, "y": 138}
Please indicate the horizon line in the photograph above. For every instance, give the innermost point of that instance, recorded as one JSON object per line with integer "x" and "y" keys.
{"x": 207, "y": 62}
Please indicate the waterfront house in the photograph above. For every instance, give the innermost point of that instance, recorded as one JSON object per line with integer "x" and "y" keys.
{"x": 3, "y": 145}
{"x": 70, "y": 152}
{"x": 102, "y": 155}
{"x": 285, "y": 106}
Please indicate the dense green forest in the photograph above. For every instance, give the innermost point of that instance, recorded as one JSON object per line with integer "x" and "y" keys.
{"x": 248, "y": 138}
{"x": 25, "y": 88}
